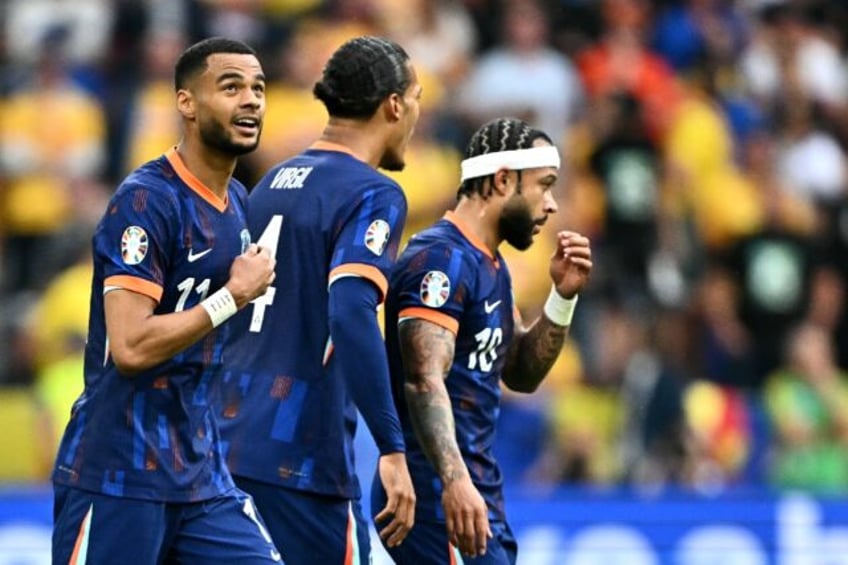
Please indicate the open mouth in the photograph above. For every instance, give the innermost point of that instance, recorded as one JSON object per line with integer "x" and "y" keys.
{"x": 247, "y": 125}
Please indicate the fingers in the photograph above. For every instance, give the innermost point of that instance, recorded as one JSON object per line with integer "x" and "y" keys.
{"x": 400, "y": 508}
{"x": 467, "y": 542}
{"x": 482, "y": 532}
{"x": 264, "y": 251}
{"x": 398, "y": 528}
{"x": 469, "y": 531}
{"x": 387, "y": 512}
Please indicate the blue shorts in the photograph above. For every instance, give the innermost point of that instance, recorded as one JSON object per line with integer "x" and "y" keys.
{"x": 427, "y": 542}
{"x": 96, "y": 528}
{"x": 310, "y": 528}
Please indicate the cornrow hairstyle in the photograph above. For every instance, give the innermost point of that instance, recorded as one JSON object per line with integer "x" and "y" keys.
{"x": 360, "y": 75}
{"x": 194, "y": 59}
{"x": 501, "y": 134}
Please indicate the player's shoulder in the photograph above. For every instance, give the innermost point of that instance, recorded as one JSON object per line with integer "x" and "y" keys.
{"x": 440, "y": 243}
{"x": 156, "y": 178}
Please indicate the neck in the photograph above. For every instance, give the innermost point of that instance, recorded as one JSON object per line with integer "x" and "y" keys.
{"x": 211, "y": 167}
{"x": 358, "y": 137}
{"x": 481, "y": 218}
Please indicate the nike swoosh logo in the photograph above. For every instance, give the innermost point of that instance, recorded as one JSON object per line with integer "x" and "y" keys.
{"x": 192, "y": 257}
{"x": 489, "y": 308}
{"x": 275, "y": 555}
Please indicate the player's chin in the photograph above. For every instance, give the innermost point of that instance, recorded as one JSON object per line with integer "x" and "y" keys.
{"x": 244, "y": 146}
{"x": 392, "y": 162}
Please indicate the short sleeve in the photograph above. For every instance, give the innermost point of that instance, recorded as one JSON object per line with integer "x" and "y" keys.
{"x": 433, "y": 286}
{"x": 369, "y": 236}
{"x": 133, "y": 241}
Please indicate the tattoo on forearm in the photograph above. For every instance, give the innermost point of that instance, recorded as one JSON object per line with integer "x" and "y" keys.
{"x": 536, "y": 352}
{"x": 428, "y": 351}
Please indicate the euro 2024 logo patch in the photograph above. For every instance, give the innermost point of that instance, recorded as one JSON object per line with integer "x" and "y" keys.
{"x": 134, "y": 245}
{"x": 435, "y": 289}
{"x": 376, "y": 236}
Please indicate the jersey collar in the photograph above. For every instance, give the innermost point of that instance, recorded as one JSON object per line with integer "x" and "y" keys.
{"x": 466, "y": 232}
{"x": 193, "y": 182}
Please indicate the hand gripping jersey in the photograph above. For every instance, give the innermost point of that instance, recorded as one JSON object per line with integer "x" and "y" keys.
{"x": 449, "y": 278}
{"x": 153, "y": 435}
{"x": 287, "y": 418}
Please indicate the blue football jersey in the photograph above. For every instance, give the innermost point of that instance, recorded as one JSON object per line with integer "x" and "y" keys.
{"x": 287, "y": 418}
{"x": 153, "y": 435}
{"x": 448, "y": 277}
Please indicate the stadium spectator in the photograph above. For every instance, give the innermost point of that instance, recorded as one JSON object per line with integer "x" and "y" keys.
{"x": 807, "y": 400}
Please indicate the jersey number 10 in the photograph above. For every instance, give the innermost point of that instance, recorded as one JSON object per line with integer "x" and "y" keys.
{"x": 488, "y": 340}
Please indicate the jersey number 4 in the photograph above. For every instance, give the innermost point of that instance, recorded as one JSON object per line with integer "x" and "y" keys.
{"x": 270, "y": 239}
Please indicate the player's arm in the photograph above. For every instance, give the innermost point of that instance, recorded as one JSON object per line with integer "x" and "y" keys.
{"x": 140, "y": 339}
{"x": 535, "y": 349}
{"x": 427, "y": 350}
{"x": 358, "y": 347}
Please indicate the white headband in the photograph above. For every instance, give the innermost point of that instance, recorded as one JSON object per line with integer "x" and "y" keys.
{"x": 488, "y": 163}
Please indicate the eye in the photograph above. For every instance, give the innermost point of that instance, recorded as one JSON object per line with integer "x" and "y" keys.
{"x": 259, "y": 88}
{"x": 231, "y": 87}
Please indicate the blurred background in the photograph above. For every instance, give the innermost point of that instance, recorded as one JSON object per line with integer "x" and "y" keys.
{"x": 698, "y": 415}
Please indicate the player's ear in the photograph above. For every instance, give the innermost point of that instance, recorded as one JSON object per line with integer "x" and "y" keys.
{"x": 185, "y": 103}
{"x": 393, "y": 107}
{"x": 500, "y": 182}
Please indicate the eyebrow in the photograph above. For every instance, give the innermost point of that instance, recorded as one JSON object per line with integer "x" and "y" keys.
{"x": 238, "y": 76}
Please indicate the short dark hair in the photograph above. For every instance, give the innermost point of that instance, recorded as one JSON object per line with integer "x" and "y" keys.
{"x": 360, "y": 75}
{"x": 501, "y": 134}
{"x": 193, "y": 59}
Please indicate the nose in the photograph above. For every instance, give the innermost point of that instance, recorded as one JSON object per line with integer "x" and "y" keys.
{"x": 549, "y": 203}
{"x": 251, "y": 98}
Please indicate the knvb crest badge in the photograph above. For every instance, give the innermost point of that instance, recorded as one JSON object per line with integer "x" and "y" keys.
{"x": 134, "y": 245}
{"x": 377, "y": 236}
{"x": 435, "y": 289}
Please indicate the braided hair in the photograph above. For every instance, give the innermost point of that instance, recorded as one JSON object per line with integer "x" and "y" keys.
{"x": 360, "y": 75}
{"x": 501, "y": 134}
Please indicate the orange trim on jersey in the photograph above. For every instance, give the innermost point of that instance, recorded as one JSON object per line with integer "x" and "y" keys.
{"x": 472, "y": 238}
{"x": 193, "y": 182}
{"x": 434, "y": 316}
{"x": 135, "y": 284}
{"x": 368, "y": 272}
{"x": 451, "y": 554}
{"x": 348, "y": 558}
{"x": 322, "y": 145}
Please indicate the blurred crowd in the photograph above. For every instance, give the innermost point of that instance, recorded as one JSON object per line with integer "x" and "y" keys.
{"x": 704, "y": 146}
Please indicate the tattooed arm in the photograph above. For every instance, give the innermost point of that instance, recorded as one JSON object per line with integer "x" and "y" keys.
{"x": 532, "y": 353}
{"x": 534, "y": 350}
{"x": 427, "y": 350}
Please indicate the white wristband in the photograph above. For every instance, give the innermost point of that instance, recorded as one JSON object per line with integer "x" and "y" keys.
{"x": 220, "y": 306}
{"x": 560, "y": 310}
